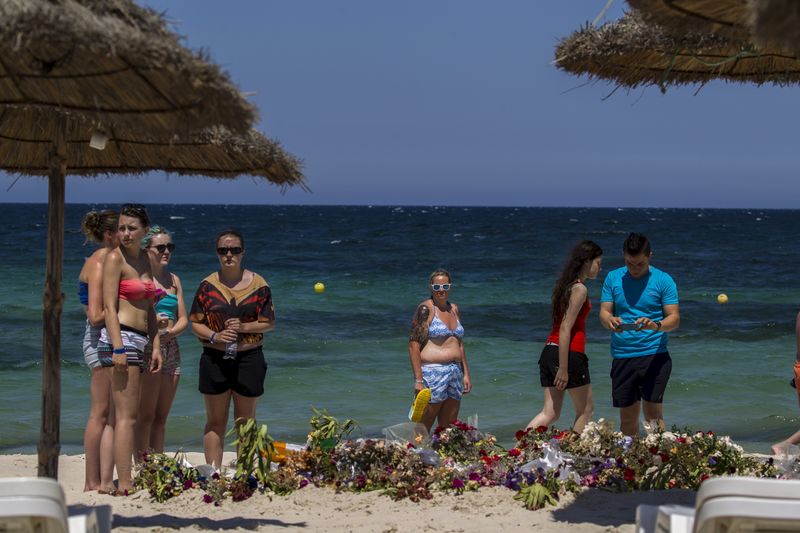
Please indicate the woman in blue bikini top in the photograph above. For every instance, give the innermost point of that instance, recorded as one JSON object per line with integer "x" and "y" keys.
{"x": 100, "y": 227}
{"x": 436, "y": 351}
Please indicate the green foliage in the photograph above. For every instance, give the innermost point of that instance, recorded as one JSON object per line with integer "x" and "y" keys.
{"x": 536, "y": 496}
{"x": 327, "y": 431}
{"x": 255, "y": 449}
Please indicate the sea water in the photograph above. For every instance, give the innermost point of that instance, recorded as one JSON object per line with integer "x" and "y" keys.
{"x": 345, "y": 350}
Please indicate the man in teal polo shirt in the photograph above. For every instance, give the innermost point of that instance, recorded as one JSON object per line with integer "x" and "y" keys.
{"x": 639, "y": 304}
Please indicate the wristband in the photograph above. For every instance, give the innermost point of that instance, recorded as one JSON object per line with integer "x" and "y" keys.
{"x": 419, "y": 381}
{"x": 119, "y": 351}
{"x": 211, "y": 339}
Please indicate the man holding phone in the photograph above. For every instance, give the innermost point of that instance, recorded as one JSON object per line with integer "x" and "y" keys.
{"x": 639, "y": 304}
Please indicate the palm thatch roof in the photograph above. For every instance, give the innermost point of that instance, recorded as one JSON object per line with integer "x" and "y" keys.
{"x": 728, "y": 18}
{"x": 107, "y": 63}
{"x": 633, "y": 53}
{"x": 776, "y": 23}
{"x": 215, "y": 152}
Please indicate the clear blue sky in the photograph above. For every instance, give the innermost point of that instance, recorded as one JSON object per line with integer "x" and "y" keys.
{"x": 456, "y": 102}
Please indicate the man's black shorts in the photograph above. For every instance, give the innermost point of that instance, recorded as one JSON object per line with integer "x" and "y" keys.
{"x": 640, "y": 378}
{"x": 578, "y": 368}
{"x": 245, "y": 374}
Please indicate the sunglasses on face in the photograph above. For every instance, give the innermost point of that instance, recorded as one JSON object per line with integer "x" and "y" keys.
{"x": 162, "y": 247}
{"x": 235, "y": 250}
{"x": 440, "y": 286}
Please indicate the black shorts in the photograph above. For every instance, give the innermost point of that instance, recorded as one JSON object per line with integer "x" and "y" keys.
{"x": 640, "y": 378}
{"x": 578, "y": 368}
{"x": 245, "y": 374}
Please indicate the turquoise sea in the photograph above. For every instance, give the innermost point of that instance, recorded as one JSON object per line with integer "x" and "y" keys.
{"x": 345, "y": 349}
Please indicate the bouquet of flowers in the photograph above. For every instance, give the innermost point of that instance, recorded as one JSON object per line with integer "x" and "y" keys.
{"x": 164, "y": 477}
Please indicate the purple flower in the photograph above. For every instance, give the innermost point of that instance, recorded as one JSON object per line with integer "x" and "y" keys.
{"x": 187, "y": 484}
{"x": 474, "y": 476}
{"x": 458, "y": 483}
{"x": 712, "y": 461}
{"x": 303, "y": 483}
{"x": 207, "y": 498}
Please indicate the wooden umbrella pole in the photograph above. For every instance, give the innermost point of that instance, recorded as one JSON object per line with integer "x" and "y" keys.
{"x": 53, "y": 302}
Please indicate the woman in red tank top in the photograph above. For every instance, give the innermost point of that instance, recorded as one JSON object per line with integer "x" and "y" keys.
{"x": 563, "y": 364}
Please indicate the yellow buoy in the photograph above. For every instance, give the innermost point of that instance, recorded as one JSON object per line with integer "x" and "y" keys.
{"x": 722, "y": 298}
{"x": 319, "y": 287}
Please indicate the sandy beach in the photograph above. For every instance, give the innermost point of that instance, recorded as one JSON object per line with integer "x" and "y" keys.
{"x": 314, "y": 509}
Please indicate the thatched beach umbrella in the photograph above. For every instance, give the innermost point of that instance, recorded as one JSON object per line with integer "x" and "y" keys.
{"x": 73, "y": 68}
{"x": 633, "y": 53}
{"x": 103, "y": 63}
{"x": 214, "y": 152}
{"x": 727, "y": 18}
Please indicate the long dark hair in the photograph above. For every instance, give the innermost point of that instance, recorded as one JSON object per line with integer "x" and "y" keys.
{"x": 582, "y": 252}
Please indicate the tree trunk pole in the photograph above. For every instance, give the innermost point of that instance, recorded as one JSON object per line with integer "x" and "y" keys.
{"x": 53, "y": 302}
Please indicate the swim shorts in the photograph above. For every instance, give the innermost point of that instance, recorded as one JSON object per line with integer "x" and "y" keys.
{"x": 170, "y": 357}
{"x": 90, "y": 339}
{"x": 445, "y": 381}
{"x": 244, "y": 375}
{"x": 133, "y": 340}
{"x": 578, "y": 368}
{"x": 640, "y": 378}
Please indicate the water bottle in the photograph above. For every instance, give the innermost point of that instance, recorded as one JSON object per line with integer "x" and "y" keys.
{"x": 230, "y": 350}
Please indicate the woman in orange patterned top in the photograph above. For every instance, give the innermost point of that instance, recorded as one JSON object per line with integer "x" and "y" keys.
{"x": 230, "y": 313}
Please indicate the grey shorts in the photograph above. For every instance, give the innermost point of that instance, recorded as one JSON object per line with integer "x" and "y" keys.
{"x": 90, "y": 339}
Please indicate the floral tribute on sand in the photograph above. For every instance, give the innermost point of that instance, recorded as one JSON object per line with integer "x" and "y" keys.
{"x": 545, "y": 463}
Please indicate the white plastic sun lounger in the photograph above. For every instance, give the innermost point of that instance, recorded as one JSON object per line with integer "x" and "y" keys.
{"x": 37, "y": 505}
{"x": 729, "y": 505}
{"x": 743, "y": 504}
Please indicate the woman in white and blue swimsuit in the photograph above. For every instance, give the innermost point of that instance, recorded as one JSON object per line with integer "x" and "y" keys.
{"x": 436, "y": 350}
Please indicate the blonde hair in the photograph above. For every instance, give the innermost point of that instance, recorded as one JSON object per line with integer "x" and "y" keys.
{"x": 440, "y": 272}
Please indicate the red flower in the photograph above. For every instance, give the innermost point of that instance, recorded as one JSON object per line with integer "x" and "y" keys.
{"x": 653, "y": 450}
{"x": 672, "y": 483}
{"x": 704, "y": 477}
{"x": 628, "y": 474}
{"x": 521, "y": 433}
{"x": 680, "y": 439}
{"x": 562, "y": 434}
{"x": 514, "y": 452}
{"x": 409, "y": 446}
{"x": 541, "y": 429}
{"x": 664, "y": 457}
